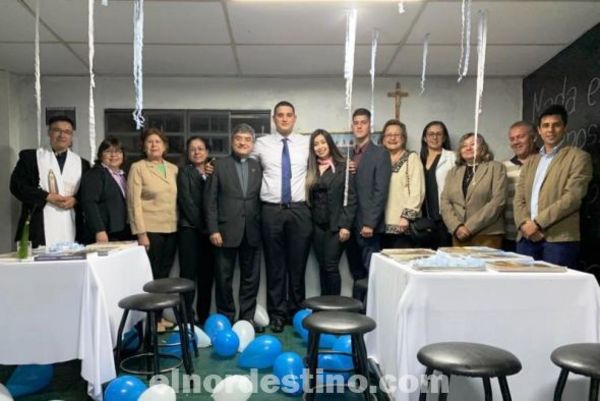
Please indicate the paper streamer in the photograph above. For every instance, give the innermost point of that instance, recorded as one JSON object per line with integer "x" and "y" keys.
{"x": 374, "y": 41}
{"x": 481, "y": 48}
{"x": 401, "y": 9}
{"x": 425, "y": 51}
{"x": 465, "y": 40}
{"x": 351, "y": 17}
{"x": 347, "y": 176}
{"x": 138, "y": 45}
{"x": 36, "y": 67}
{"x": 91, "y": 107}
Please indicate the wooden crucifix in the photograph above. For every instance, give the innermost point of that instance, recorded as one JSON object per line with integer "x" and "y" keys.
{"x": 397, "y": 95}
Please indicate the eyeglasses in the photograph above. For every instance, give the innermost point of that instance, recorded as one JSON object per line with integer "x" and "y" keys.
{"x": 61, "y": 131}
{"x": 112, "y": 152}
{"x": 434, "y": 135}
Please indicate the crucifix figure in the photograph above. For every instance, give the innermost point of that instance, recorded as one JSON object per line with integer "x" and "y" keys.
{"x": 397, "y": 95}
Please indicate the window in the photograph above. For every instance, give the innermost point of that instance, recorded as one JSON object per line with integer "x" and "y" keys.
{"x": 178, "y": 125}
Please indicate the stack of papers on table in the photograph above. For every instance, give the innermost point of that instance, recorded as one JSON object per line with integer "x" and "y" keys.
{"x": 445, "y": 262}
{"x": 106, "y": 248}
{"x": 525, "y": 266}
{"x": 405, "y": 255}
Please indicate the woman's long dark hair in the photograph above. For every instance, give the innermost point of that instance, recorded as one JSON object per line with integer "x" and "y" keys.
{"x": 312, "y": 173}
{"x": 445, "y": 145}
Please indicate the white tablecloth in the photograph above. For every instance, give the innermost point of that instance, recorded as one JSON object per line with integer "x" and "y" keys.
{"x": 63, "y": 310}
{"x": 529, "y": 314}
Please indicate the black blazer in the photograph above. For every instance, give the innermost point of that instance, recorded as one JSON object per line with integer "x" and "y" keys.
{"x": 339, "y": 216}
{"x": 104, "y": 206}
{"x": 190, "y": 198}
{"x": 372, "y": 183}
{"x": 24, "y": 185}
{"x": 227, "y": 210}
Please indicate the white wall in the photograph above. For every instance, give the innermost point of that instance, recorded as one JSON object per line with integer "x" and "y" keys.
{"x": 319, "y": 104}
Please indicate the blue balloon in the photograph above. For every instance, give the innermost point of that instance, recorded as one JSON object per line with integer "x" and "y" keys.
{"x": 29, "y": 379}
{"x": 344, "y": 344}
{"x": 298, "y": 318}
{"x": 226, "y": 343}
{"x": 216, "y": 322}
{"x": 172, "y": 345}
{"x": 131, "y": 340}
{"x": 331, "y": 365}
{"x": 327, "y": 340}
{"x": 124, "y": 388}
{"x": 260, "y": 353}
{"x": 288, "y": 368}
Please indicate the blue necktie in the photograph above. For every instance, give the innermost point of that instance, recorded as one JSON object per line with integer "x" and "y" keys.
{"x": 286, "y": 173}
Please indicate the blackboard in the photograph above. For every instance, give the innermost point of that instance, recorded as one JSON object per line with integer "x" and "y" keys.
{"x": 572, "y": 78}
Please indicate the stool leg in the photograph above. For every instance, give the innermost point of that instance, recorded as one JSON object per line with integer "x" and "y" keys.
{"x": 504, "y": 388}
{"x": 185, "y": 341}
{"x": 189, "y": 322}
{"x": 362, "y": 367}
{"x": 312, "y": 361}
{"x": 424, "y": 391}
{"x": 594, "y": 389}
{"x": 444, "y": 394}
{"x": 487, "y": 388}
{"x": 120, "y": 340}
{"x": 154, "y": 335}
{"x": 560, "y": 384}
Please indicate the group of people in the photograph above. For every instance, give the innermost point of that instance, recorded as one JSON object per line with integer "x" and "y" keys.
{"x": 286, "y": 193}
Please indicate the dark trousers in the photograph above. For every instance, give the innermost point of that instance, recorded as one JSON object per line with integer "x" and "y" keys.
{"x": 560, "y": 253}
{"x": 359, "y": 251}
{"x": 162, "y": 253}
{"x": 196, "y": 262}
{"x": 397, "y": 241}
{"x": 286, "y": 243}
{"x": 124, "y": 235}
{"x": 249, "y": 279}
{"x": 328, "y": 250}
{"x": 440, "y": 238}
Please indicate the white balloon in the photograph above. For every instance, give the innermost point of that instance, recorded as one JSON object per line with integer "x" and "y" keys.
{"x": 5, "y": 394}
{"x": 158, "y": 392}
{"x": 203, "y": 338}
{"x": 261, "y": 317}
{"x": 245, "y": 332}
{"x": 233, "y": 388}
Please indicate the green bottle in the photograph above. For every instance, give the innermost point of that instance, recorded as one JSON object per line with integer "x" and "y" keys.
{"x": 22, "y": 251}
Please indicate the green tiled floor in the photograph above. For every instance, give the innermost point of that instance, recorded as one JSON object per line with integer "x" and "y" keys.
{"x": 68, "y": 385}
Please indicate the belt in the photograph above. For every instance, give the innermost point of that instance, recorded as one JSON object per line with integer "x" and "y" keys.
{"x": 291, "y": 205}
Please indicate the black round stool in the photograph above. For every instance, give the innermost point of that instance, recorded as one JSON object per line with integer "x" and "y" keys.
{"x": 152, "y": 304}
{"x": 185, "y": 288}
{"x": 339, "y": 323}
{"x": 471, "y": 360}
{"x": 582, "y": 359}
{"x": 333, "y": 303}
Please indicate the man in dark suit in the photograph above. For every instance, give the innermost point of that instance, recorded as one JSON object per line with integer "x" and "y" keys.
{"x": 46, "y": 182}
{"x": 232, "y": 207}
{"x": 372, "y": 180}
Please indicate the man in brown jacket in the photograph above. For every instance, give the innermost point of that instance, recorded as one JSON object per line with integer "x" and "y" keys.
{"x": 549, "y": 193}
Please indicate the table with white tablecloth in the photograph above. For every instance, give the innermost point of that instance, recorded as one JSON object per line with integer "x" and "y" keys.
{"x": 528, "y": 314}
{"x": 64, "y": 310}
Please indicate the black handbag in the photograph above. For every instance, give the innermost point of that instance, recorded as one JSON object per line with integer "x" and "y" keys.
{"x": 422, "y": 229}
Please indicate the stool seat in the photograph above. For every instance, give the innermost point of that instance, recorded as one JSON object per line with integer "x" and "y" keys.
{"x": 469, "y": 359}
{"x": 583, "y": 359}
{"x": 338, "y": 323}
{"x": 150, "y": 302}
{"x": 334, "y": 303}
{"x": 170, "y": 285}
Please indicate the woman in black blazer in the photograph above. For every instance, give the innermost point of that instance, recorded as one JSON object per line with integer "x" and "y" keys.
{"x": 326, "y": 189}
{"x": 103, "y": 192}
{"x": 196, "y": 259}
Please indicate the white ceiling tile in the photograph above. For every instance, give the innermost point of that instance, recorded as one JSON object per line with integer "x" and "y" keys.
{"x": 307, "y": 60}
{"x": 316, "y": 23}
{"x": 500, "y": 60}
{"x": 163, "y": 60}
{"x": 509, "y": 22}
{"x": 54, "y": 59}
{"x": 17, "y": 24}
{"x": 164, "y": 22}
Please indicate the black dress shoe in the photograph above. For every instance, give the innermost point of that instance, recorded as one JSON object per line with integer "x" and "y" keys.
{"x": 257, "y": 328}
{"x": 277, "y": 325}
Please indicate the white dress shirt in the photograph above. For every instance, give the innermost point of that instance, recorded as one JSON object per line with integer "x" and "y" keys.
{"x": 268, "y": 150}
